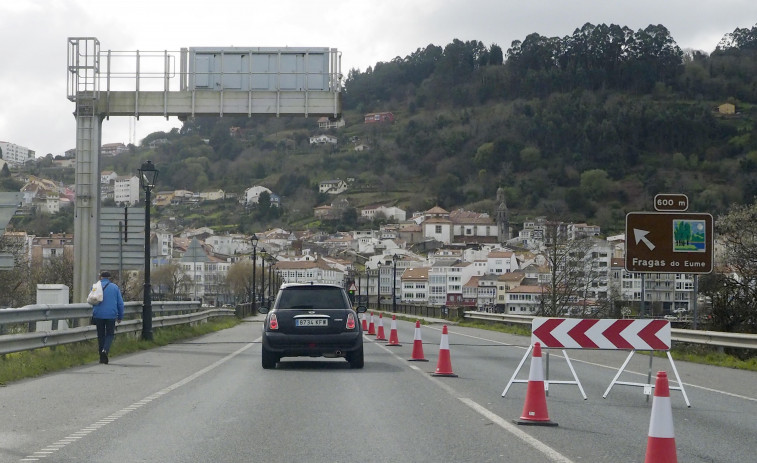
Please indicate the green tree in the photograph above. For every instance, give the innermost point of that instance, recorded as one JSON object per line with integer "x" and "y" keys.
{"x": 167, "y": 281}
{"x": 733, "y": 286}
{"x": 595, "y": 183}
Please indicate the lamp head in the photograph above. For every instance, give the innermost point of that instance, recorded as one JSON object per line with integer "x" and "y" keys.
{"x": 148, "y": 175}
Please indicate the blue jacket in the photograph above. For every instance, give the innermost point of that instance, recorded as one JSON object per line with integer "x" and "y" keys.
{"x": 112, "y": 306}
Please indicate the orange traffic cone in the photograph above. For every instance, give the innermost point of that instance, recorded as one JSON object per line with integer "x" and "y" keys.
{"x": 372, "y": 327}
{"x": 661, "y": 443}
{"x": 393, "y": 339}
{"x": 444, "y": 365}
{"x": 535, "y": 407}
{"x": 364, "y": 321}
{"x": 417, "y": 345}
{"x": 380, "y": 336}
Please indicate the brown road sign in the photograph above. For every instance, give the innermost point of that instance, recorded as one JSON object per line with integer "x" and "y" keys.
{"x": 669, "y": 242}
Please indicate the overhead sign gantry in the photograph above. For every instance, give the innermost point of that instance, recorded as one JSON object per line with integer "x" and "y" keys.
{"x": 200, "y": 81}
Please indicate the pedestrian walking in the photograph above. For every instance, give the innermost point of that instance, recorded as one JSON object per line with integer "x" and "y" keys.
{"x": 106, "y": 314}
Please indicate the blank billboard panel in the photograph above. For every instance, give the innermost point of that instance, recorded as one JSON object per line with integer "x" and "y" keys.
{"x": 261, "y": 69}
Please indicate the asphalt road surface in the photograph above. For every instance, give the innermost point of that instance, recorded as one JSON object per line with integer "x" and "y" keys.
{"x": 209, "y": 399}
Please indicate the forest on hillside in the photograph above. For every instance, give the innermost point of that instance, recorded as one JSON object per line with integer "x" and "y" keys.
{"x": 585, "y": 127}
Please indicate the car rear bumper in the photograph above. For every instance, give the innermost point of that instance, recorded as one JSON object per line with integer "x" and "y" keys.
{"x": 295, "y": 345}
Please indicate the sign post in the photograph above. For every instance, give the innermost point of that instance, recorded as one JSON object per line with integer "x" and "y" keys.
{"x": 669, "y": 242}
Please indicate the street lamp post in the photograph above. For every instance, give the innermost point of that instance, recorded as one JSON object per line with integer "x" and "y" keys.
{"x": 270, "y": 278}
{"x": 148, "y": 175}
{"x": 367, "y": 292}
{"x": 378, "y": 286}
{"x": 262, "y": 275}
{"x": 254, "y": 241}
{"x": 394, "y": 282}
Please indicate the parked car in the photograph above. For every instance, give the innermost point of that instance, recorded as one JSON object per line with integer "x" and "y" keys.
{"x": 312, "y": 320}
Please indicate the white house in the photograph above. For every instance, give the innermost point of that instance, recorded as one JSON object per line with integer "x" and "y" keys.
{"x": 438, "y": 228}
{"x": 252, "y": 194}
{"x": 113, "y": 149}
{"x": 499, "y": 262}
{"x": 15, "y": 155}
{"x": 305, "y": 271}
{"x": 163, "y": 243}
{"x": 475, "y": 227}
{"x": 126, "y": 190}
{"x": 332, "y": 187}
{"x": 582, "y": 230}
{"x": 446, "y": 281}
{"x": 392, "y": 213}
{"x": 414, "y": 286}
{"x": 212, "y": 195}
{"x": 524, "y": 299}
{"x": 323, "y": 139}
{"x": 108, "y": 176}
{"x": 328, "y": 123}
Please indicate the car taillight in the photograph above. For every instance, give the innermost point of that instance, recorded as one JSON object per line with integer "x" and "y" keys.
{"x": 273, "y": 323}
{"x": 350, "y": 322}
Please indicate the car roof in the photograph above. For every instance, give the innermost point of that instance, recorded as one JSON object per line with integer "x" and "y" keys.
{"x": 312, "y": 283}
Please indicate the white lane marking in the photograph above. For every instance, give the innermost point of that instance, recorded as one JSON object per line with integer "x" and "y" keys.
{"x": 552, "y": 454}
{"x": 50, "y": 449}
{"x": 609, "y": 367}
{"x": 546, "y": 450}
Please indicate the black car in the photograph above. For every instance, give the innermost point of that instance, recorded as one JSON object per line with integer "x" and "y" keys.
{"x": 312, "y": 320}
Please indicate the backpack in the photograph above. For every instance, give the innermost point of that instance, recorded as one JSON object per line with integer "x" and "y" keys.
{"x": 96, "y": 293}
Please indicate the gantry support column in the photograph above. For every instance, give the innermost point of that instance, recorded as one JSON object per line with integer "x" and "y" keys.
{"x": 87, "y": 205}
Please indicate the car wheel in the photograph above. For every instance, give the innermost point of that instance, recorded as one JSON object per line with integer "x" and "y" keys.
{"x": 268, "y": 359}
{"x": 356, "y": 358}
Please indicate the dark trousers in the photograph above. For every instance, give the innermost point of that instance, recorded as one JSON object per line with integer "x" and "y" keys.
{"x": 106, "y": 332}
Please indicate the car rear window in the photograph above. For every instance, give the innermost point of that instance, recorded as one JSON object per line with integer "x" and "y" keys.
{"x": 311, "y": 298}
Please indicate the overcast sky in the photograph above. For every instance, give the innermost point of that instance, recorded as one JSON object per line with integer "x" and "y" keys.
{"x": 35, "y": 113}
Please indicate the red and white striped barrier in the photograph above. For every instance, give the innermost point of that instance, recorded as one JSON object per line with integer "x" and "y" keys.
{"x": 625, "y": 334}
{"x": 576, "y": 333}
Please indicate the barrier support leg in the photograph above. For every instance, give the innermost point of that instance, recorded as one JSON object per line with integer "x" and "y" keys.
{"x": 620, "y": 370}
{"x": 648, "y": 387}
{"x": 520, "y": 365}
{"x": 678, "y": 378}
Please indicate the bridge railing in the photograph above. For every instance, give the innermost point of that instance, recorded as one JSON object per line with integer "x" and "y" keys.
{"x": 24, "y": 328}
{"x": 709, "y": 338}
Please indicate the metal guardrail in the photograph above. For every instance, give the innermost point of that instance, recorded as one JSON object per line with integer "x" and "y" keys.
{"x": 175, "y": 313}
{"x": 710, "y": 338}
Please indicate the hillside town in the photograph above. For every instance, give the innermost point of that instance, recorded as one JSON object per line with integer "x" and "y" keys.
{"x": 433, "y": 257}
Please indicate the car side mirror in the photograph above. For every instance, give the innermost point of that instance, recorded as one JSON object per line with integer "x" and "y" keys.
{"x": 263, "y": 309}
{"x": 361, "y": 309}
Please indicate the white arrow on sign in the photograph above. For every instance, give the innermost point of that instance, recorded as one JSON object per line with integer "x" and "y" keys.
{"x": 641, "y": 235}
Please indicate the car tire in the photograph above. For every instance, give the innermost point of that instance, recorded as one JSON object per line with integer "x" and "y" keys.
{"x": 268, "y": 359}
{"x": 356, "y": 358}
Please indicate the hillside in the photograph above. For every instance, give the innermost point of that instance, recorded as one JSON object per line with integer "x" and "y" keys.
{"x": 584, "y": 128}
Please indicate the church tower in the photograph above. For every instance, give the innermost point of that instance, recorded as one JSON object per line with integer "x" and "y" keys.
{"x": 503, "y": 221}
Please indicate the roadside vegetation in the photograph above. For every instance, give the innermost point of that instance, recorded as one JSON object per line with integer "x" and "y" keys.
{"x": 30, "y": 364}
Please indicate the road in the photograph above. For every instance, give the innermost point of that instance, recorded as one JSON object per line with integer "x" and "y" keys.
{"x": 208, "y": 399}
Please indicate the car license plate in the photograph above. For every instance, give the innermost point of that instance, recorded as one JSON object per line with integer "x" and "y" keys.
{"x": 311, "y": 322}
